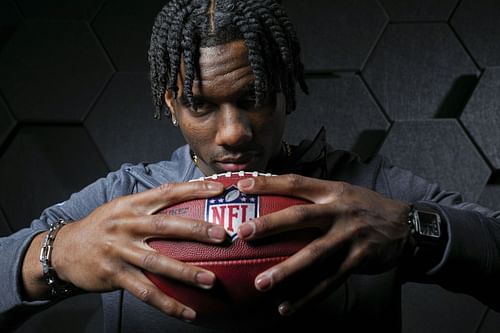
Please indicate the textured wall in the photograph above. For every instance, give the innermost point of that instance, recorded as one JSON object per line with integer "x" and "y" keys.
{"x": 416, "y": 80}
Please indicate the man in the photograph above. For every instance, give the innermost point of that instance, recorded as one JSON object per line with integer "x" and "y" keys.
{"x": 225, "y": 72}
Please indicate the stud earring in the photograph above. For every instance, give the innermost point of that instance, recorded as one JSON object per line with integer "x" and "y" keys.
{"x": 174, "y": 121}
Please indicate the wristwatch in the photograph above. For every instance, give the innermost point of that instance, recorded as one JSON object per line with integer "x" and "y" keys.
{"x": 429, "y": 235}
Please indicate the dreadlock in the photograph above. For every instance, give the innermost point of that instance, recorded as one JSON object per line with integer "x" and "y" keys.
{"x": 183, "y": 26}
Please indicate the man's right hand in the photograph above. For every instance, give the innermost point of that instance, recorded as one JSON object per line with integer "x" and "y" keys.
{"x": 107, "y": 250}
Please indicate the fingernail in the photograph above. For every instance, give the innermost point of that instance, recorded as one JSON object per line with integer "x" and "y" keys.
{"x": 188, "y": 314}
{"x": 285, "y": 309}
{"x": 214, "y": 186}
{"x": 205, "y": 280}
{"x": 246, "y": 183}
{"x": 264, "y": 282}
{"x": 246, "y": 230}
{"x": 217, "y": 233}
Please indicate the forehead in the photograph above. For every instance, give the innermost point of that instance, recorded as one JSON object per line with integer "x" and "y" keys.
{"x": 224, "y": 66}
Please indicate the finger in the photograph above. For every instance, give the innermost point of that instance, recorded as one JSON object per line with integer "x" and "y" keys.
{"x": 154, "y": 262}
{"x": 169, "y": 226}
{"x": 151, "y": 201}
{"x": 291, "y": 218}
{"x": 315, "y": 190}
{"x": 316, "y": 251}
{"x": 143, "y": 289}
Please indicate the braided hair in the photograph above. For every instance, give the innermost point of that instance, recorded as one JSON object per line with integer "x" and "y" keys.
{"x": 183, "y": 26}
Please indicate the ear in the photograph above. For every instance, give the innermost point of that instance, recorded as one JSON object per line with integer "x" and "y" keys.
{"x": 169, "y": 98}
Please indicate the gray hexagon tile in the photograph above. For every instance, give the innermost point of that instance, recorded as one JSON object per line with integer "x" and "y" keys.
{"x": 336, "y": 34}
{"x": 56, "y": 9}
{"x": 43, "y": 166}
{"x": 9, "y": 19}
{"x": 420, "y": 71}
{"x": 346, "y": 109}
{"x": 123, "y": 127}
{"x": 4, "y": 226}
{"x": 7, "y": 122}
{"x": 124, "y": 27}
{"x": 419, "y": 10}
{"x": 481, "y": 116}
{"x": 440, "y": 151}
{"x": 53, "y": 71}
{"x": 476, "y": 23}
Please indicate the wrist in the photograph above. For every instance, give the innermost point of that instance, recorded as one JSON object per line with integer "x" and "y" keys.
{"x": 58, "y": 287}
{"x": 428, "y": 238}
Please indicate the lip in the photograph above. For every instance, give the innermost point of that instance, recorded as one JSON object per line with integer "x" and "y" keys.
{"x": 235, "y": 163}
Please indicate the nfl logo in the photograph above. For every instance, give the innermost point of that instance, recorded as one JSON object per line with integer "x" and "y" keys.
{"x": 231, "y": 209}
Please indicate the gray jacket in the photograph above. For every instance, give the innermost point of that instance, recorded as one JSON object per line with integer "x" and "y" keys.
{"x": 364, "y": 301}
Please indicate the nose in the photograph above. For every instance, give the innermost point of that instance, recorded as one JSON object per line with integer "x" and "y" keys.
{"x": 234, "y": 127}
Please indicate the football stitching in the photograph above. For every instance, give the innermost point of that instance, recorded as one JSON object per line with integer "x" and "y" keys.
{"x": 239, "y": 261}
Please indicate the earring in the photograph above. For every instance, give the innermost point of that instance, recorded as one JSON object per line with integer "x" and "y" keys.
{"x": 174, "y": 121}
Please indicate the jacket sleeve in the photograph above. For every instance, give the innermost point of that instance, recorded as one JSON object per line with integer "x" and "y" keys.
{"x": 13, "y": 308}
{"x": 471, "y": 261}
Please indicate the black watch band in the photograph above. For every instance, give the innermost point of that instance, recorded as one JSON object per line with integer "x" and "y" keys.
{"x": 430, "y": 236}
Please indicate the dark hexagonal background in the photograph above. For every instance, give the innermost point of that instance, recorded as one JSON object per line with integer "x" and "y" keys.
{"x": 336, "y": 34}
{"x": 419, "y": 10}
{"x": 43, "y": 166}
{"x": 4, "y": 225}
{"x": 345, "y": 108}
{"x": 409, "y": 57}
{"x": 9, "y": 19}
{"x": 53, "y": 71}
{"x": 476, "y": 23}
{"x": 57, "y": 57}
{"x": 430, "y": 149}
{"x": 7, "y": 122}
{"x": 123, "y": 127}
{"x": 481, "y": 116}
{"x": 125, "y": 26}
{"x": 59, "y": 9}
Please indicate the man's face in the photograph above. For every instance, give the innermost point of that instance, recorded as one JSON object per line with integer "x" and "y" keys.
{"x": 225, "y": 129}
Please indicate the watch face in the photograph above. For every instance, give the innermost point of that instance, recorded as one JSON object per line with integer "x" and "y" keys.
{"x": 428, "y": 224}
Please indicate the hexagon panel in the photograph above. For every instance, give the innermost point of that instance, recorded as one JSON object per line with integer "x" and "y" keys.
{"x": 7, "y": 122}
{"x": 420, "y": 71}
{"x": 336, "y": 34}
{"x": 345, "y": 108}
{"x": 124, "y": 26}
{"x": 53, "y": 71}
{"x": 43, "y": 166}
{"x": 9, "y": 19}
{"x": 481, "y": 116}
{"x": 59, "y": 9}
{"x": 123, "y": 127}
{"x": 476, "y": 23}
{"x": 419, "y": 10}
{"x": 4, "y": 226}
{"x": 439, "y": 151}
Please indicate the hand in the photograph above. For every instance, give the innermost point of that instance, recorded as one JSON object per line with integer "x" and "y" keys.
{"x": 364, "y": 232}
{"x": 107, "y": 250}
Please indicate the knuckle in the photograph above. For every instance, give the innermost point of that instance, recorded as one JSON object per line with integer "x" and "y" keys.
{"x": 158, "y": 223}
{"x": 295, "y": 181}
{"x": 171, "y": 307}
{"x": 165, "y": 189}
{"x": 198, "y": 228}
{"x": 145, "y": 294}
{"x": 316, "y": 250}
{"x": 302, "y": 212}
{"x": 150, "y": 261}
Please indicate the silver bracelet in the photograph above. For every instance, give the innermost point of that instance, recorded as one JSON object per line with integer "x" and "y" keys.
{"x": 58, "y": 288}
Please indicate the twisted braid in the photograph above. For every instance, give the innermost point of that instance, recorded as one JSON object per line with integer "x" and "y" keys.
{"x": 183, "y": 26}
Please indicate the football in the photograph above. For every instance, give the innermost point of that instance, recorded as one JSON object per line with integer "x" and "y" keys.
{"x": 235, "y": 263}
